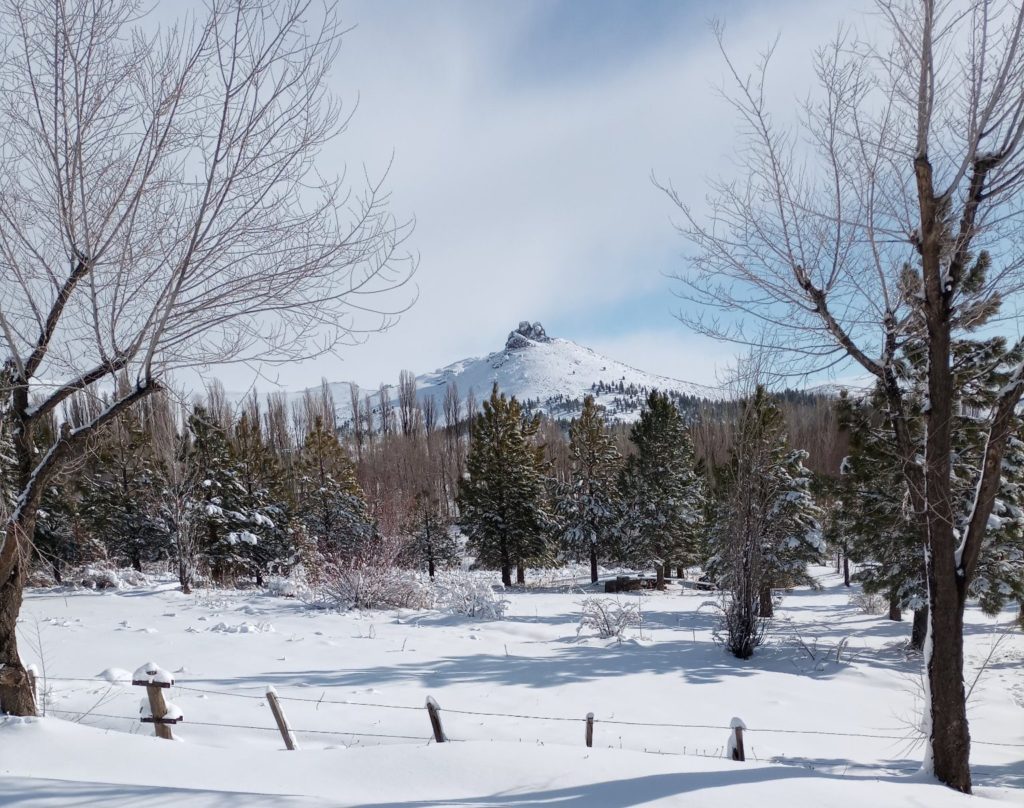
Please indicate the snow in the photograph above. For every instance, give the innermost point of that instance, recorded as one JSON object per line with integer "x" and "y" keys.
{"x": 531, "y": 370}
{"x": 153, "y": 673}
{"x": 345, "y": 680}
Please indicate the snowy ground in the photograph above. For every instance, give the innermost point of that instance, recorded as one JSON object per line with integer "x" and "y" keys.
{"x": 493, "y": 680}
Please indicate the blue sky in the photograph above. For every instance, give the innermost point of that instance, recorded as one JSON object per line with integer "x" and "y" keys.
{"x": 524, "y": 137}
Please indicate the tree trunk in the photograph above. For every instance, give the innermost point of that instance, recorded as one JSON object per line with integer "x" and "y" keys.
{"x": 919, "y": 629}
{"x": 950, "y": 739}
{"x": 593, "y": 564}
{"x": 950, "y": 733}
{"x": 430, "y": 567}
{"x": 16, "y": 696}
{"x": 680, "y": 572}
{"x": 765, "y": 607}
{"x": 660, "y": 571}
{"x": 506, "y": 574}
{"x": 846, "y": 569}
{"x": 520, "y": 575}
{"x": 895, "y": 612}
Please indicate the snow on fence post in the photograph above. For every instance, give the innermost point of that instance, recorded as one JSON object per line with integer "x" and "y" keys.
{"x": 590, "y": 729}
{"x": 434, "y": 711}
{"x": 281, "y": 719}
{"x": 736, "y": 751}
{"x": 158, "y": 712}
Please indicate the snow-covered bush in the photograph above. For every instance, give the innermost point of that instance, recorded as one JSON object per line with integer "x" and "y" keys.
{"x": 370, "y": 579}
{"x": 376, "y": 587}
{"x": 106, "y": 576}
{"x": 467, "y": 594}
{"x": 869, "y": 602}
{"x": 608, "y": 617}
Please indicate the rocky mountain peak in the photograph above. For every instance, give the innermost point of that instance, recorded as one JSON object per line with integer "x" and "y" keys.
{"x": 526, "y": 333}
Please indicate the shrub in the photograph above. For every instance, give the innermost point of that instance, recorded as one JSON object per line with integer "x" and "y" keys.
{"x": 466, "y": 594}
{"x": 869, "y": 602}
{"x": 609, "y": 618}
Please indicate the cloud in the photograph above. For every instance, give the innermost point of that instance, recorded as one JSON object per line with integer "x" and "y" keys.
{"x": 530, "y": 181}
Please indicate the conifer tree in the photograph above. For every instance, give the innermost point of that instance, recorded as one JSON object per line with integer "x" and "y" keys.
{"x": 231, "y": 523}
{"x": 766, "y": 529}
{"x": 663, "y": 497}
{"x": 503, "y": 495}
{"x": 262, "y": 497}
{"x": 878, "y": 517}
{"x": 589, "y": 504}
{"x": 433, "y": 545}
{"x": 120, "y": 492}
{"x": 331, "y": 503}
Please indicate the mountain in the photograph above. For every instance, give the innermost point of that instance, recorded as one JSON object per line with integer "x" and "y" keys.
{"x": 549, "y": 374}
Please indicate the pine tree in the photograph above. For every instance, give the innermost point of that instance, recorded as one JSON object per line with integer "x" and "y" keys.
{"x": 879, "y": 521}
{"x": 232, "y": 523}
{"x": 262, "y": 497}
{"x": 589, "y": 504}
{"x": 120, "y": 491}
{"x": 663, "y": 497}
{"x": 503, "y": 495}
{"x": 433, "y": 544}
{"x": 331, "y": 503}
{"x": 875, "y": 520}
{"x": 767, "y": 527}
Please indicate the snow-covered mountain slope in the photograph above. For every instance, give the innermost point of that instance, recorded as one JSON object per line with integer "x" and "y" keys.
{"x": 552, "y": 375}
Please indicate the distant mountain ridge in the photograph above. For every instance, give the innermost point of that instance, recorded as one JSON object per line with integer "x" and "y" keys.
{"x": 548, "y": 374}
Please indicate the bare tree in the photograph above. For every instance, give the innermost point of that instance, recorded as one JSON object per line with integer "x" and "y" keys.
{"x": 428, "y": 412}
{"x": 357, "y": 420}
{"x": 407, "y": 410}
{"x": 890, "y": 212}
{"x": 161, "y": 208}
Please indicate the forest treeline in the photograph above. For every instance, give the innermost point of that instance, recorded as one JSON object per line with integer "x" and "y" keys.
{"x": 255, "y": 480}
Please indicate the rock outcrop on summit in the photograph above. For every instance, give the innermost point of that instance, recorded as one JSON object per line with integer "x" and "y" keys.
{"x": 524, "y": 335}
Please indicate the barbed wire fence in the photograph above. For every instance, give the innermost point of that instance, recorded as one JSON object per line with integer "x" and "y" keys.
{"x": 735, "y": 746}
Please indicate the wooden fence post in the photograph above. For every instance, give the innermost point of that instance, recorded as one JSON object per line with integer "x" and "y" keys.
{"x": 736, "y": 739}
{"x": 434, "y": 711}
{"x": 281, "y": 719}
{"x": 590, "y": 729}
{"x": 161, "y": 715}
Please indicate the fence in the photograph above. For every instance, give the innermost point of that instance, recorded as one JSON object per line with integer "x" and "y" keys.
{"x": 164, "y": 715}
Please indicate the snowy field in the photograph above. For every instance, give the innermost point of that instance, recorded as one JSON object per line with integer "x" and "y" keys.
{"x": 830, "y": 704}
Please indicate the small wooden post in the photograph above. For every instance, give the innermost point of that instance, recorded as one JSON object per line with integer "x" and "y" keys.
{"x": 590, "y": 729}
{"x": 738, "y": 752}
{"x": 434, "y": 711}
{"x": 281, "y": 719}
{"x": 156, "y": 680}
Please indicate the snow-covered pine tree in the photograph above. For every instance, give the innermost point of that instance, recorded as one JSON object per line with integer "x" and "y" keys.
{"x": 231, "y": 521}
{"x": 662, "y": 495}
{"x": 262, "y": 498}
{"x": 875, "y": 520}
{"x": 503, "y": 495}
{"x": 767, "y": 527}
{"x": 878, "y": 517}
{"x": 120, "y": 494}
{"x": 331, "y": 504}
{"x": 433, "y": 544}
{"x": 588, "y": 505}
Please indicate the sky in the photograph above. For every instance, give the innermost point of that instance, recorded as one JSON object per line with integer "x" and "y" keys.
{"x": 522, "y": 138}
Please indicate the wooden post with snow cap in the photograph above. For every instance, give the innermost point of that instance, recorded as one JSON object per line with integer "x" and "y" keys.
{"x": 281, "y": 719}
{"x": 434, "y": 711}
{"x": 736, "y": 740}
{"x": 590, "y": 729}
{"x": 158, "y": 712}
